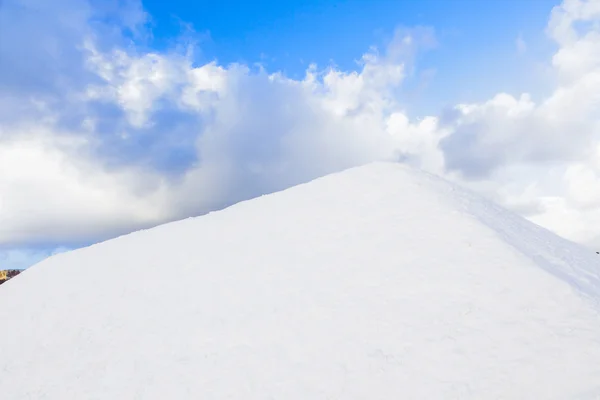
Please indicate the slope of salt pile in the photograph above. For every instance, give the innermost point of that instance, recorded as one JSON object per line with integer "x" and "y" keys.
{"x": 379, "y": 282}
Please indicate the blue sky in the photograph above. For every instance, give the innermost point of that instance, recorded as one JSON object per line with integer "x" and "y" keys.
{"x": 476, "y": 39}
{"x": 118, "y": 116}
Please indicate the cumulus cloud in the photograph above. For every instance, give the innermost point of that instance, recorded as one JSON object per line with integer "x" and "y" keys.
{"x": 113, "y": 137}
{"x": 52, "y": 192}
{"x": 134, "y": 138}
{"x": 543, "y": 156}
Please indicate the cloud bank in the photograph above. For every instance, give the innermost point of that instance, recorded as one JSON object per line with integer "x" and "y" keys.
{"x": 100, "y": 136}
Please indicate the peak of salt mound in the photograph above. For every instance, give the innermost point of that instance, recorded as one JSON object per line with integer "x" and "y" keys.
{"x": 376, "y": 282}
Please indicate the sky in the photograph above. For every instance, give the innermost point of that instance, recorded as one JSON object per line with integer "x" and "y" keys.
{"x": 120, "y": 115}
{"x": 288, "y": 36}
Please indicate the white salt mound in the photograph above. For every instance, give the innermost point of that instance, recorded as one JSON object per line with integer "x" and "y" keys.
{"x": 379, "y": 282}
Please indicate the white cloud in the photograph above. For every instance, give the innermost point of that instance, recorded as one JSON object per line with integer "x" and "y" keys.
{"x": 52, "y": 192}
{"x": 152, "y": 138}
{"x": 137, "y": 138}
{"x": 553, "y": 144}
